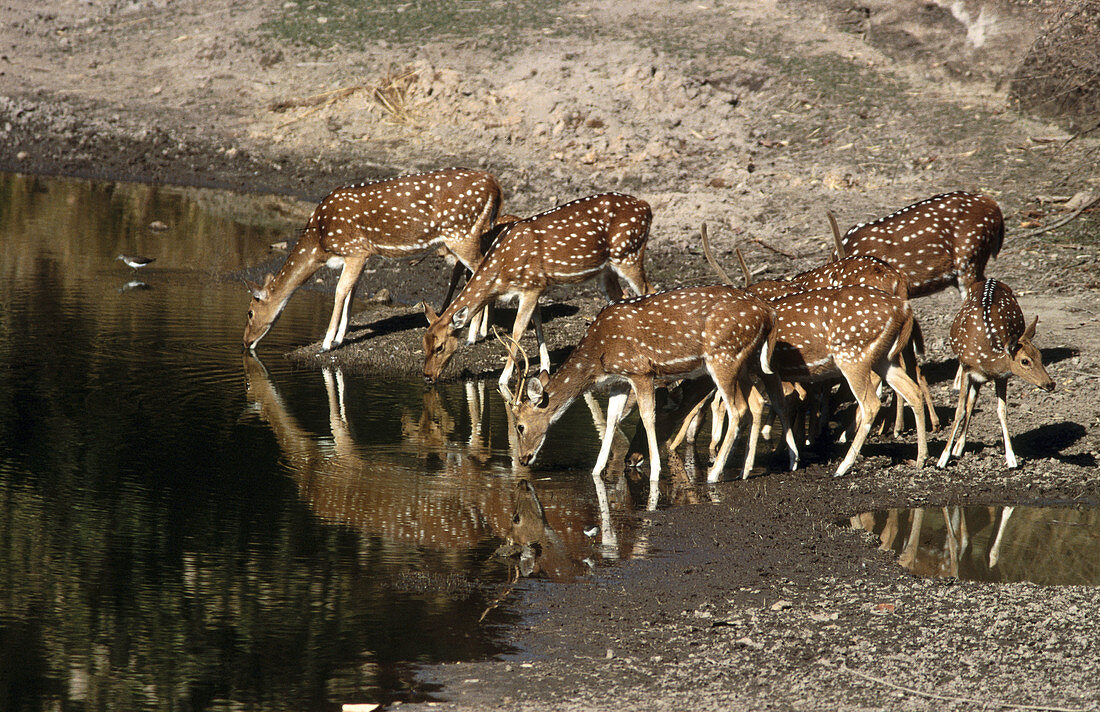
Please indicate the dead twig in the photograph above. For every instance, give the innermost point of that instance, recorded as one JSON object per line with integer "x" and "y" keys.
{"x": 776, "y": 250}
{"x": 1072, "y": 216}
{"x": 950, "y": 698}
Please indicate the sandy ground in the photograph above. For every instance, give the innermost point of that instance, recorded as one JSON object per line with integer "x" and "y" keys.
{"x": 754, "y": 117}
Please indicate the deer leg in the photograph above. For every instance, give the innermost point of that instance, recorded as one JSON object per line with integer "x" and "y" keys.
{"x": 1002, "y": 415}
{"x": 756, "y": 409}
{"x": 906, "y": 388}
{"x": 960, "y": 414}
{"x": 687, "y": 426}
{"x": 544, "y": 352}
{"x": 995, "y": 550}
{"x": 616, "y": 405}
{"x": 527, "y": 305}
{"x": 779, "y": 406}
{"x": 908, "y": 554}
{"x": 345, "y": 289}
{"x": 717, "y": 424}
{"x": 863, "y": 388}
{"x": 971, "y": 398}
{"x": 726, "y": 377}
{"x": 643, "y": 389}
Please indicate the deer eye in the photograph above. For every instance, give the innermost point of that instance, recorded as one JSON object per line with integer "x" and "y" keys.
{"x": 519, "y": 428}
{"x": 250, "y": 314}
{"x": 1025, "y": 361}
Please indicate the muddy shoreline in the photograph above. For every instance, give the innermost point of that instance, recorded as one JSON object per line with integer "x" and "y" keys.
{"x": 758, "y": 143}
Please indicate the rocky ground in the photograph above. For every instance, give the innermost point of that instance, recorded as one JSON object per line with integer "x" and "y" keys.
{"x": 753, "y": 117}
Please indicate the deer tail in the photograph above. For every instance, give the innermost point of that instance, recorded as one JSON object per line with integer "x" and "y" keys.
{"x": 906, "y": 332}
{"x": 918, "y": 338}
{"x": 768, "y": 347}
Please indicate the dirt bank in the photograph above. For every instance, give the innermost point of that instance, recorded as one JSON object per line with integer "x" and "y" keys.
{"x": 753, "y": 117}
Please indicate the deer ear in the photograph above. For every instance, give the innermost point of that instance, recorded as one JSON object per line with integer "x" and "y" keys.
{"x": 257, "y": 291}
{"x": 1029, "y": 333}
{"x": 430, "y": 314}
{"x": 459, "y": 319}
{"x": 536, "y": 391}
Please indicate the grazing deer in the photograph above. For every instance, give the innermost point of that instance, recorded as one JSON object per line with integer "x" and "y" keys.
{"x": 992, "y": 341}
{"x": 601, "y": 235}
{"x": 398, "y": 217}
{"x": 634, "y": 343}
{"x": 855, "y": 332}
{"x": 938, "y": 242}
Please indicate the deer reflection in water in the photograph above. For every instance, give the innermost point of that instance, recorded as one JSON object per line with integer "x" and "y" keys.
{"x": 465, "y": 500}
{"x": 942, "y": 551}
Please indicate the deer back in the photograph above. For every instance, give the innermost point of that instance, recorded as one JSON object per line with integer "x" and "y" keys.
{"x": 820, "y": 327}
{"x": 408, "y": 214}
{"x": 570, "y": 243}
{"x": 943, "y": 240}
{"x": 991, "y": 338}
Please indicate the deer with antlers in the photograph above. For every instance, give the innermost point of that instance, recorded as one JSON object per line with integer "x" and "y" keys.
{"x": 633, "y": 344}
{"x": 601, "y": 235}
{"x": 993, "y": 341}
{"x": 399, "y": 217}
{"x": 938, "y": 242}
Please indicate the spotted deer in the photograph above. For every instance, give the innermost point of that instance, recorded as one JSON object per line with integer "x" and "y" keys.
{"x": 398, "y": 217}
{"x": 992, "y": 341}
{"x": 938, "y": 242}
{"x": 855, "y": 332}
{"x": 633, "y": 344}
{"x": 601, "y": 235}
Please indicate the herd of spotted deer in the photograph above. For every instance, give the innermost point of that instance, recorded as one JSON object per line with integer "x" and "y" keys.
{"x": 775, "y": 340}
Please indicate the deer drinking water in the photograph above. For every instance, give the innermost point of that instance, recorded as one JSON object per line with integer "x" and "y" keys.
{"x": 719, "y": 330}
{"x": 938, "y": 242}
{"x": 398, "y": 217}
{"x": 992, "y": 341}
{"x": 601, "y": 235}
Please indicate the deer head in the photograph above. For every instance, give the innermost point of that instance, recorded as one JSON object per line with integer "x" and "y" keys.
{"x": 440, "y": 341}
{"x": 262, "y": 311}
{"x": 533, "y": 417}
{"x": 1026, "y": 361}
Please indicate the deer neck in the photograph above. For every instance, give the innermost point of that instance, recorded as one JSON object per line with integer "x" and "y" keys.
{"x": 580, "y": 371}
{"x": 305, "y": 259}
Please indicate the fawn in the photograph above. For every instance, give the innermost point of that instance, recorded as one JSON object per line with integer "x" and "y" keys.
{"x": 992, "y": 341}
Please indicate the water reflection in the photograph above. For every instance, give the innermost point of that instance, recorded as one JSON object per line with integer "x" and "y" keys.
{"x": 1045, "y": 545}
{"x": 435, "y": 487}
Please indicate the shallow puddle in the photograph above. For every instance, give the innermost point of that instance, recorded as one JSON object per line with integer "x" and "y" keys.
{"x": 188, "y": 527}
{"x": 1044, "y": 545}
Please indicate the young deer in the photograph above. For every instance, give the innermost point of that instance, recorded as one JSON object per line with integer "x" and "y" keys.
{"x": 855, "y": 332}
{"x": 992, "y": 341}
{"x": 940, "y": 241}
{"x": 397, "y": 217}
{"x": 601, "y": 235}
{"x": 718, "y": 330}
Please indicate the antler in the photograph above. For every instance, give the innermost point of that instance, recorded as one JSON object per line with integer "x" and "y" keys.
{"x": 836, "y": 235}
{"x": 710, "y": 256}
{"x": 526, "y": 361}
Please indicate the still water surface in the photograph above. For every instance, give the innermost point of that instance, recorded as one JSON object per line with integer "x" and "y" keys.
{"x": 1000, "y": 544}
{"x": 185, "y": 527}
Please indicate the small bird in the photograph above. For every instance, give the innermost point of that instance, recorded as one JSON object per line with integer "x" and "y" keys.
{"x": 136, "y": 262}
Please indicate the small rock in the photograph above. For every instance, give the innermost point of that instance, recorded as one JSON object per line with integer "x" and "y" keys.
{"x": 158, "y": 226}
{"x": 781, "y": 605}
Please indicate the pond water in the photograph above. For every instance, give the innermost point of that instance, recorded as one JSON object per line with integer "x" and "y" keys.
{"x": 187, "y": 527}
{"x": 1044, "y": 545}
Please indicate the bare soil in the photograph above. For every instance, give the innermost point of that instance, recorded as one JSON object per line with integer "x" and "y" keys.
{"x": 755, "y": 117}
